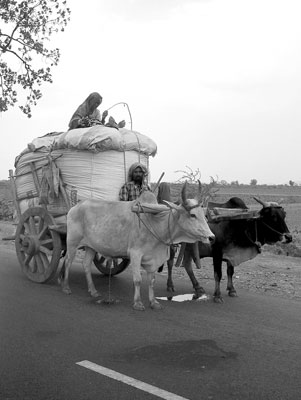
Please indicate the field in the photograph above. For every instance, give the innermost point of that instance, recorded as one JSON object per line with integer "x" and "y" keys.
{"x": 289, "y": 197}
{"x": 288, "y": 194}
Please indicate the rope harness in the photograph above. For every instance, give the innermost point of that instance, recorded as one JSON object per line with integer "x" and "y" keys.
{"x": 272, "y": 229}
{"x": 256, "y": 242}
{"x": 149, "y": 226}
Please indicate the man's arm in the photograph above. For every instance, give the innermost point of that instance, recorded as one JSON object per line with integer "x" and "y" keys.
{"x": 123, "y": 193}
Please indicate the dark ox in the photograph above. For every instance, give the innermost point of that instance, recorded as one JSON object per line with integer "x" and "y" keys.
{"x": 236, "y": 241}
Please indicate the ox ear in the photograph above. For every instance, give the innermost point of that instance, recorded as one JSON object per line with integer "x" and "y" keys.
{"x": 171, "y": 205}
{"x": 264, "y": 204}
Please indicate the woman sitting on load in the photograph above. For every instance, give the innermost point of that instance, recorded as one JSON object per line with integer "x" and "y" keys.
{"x": 87, "y": 114}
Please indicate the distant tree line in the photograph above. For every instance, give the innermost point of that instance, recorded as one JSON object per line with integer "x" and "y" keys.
{"x": 254, "y": 182}
{"x": 193, "y": 176}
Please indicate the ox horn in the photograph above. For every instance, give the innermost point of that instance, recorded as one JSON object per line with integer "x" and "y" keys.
{"x": 264, "y": 204}
{"x": 184, "y": 193}
{"x": 199, "y": 198}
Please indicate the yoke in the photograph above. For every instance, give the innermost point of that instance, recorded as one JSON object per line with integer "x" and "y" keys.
{"x": 217, "y": 214}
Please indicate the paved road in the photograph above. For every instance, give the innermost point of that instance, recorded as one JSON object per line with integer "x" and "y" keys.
{"x": 246, "y": 348}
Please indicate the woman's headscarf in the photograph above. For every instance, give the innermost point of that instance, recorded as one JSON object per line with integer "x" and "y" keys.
{"x": 84, "y": 110}
{"x": 92, "y": 99}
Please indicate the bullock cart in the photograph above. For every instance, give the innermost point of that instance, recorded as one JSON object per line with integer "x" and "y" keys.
{"x": 56, "y": 171}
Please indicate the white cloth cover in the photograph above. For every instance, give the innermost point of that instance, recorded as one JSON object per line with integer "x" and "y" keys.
{"x": 93, "y": 175}
{"x": 97, "y": 138}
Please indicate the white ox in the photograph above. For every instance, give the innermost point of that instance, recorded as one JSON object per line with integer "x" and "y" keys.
{"x": 114, "y": 229}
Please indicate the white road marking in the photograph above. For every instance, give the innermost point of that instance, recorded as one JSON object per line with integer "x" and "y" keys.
{"x": 163, "y": 394}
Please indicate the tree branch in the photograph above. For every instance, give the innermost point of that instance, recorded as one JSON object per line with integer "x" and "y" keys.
{"x": 27, "y": 66}
{"x": 4, "y": 48}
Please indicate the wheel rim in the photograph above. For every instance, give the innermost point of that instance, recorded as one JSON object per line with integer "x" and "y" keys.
{"x": 110, "y": 266}
{"x": 38, "y": 248}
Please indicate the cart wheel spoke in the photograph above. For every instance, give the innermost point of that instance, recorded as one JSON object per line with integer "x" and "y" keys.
{"x": 45, "y": 251}
{"x": 45, "y": 259}
{"x": 46, "y": 242}
{"x": 40, "y": 265}
{"x": 42, "y": 231}
{"x": 32, "y": 266}
{"x": 28, "y": 258}
{"x": 41, "y": 225}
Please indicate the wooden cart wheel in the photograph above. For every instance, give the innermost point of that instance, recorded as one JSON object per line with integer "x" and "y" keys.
{"x": 110, "y": 266}
{"x": 38, "y": 247}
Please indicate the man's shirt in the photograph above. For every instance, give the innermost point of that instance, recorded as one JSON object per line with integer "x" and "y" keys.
{"x": 130, "y": 191}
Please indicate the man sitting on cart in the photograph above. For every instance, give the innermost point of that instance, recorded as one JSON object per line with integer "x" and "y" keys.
{"x": 136, "y": 184}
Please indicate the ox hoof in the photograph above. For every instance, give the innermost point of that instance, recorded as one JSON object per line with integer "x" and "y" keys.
{"x": 138, "y": 307}
{"x": 155, "y": 305}
{"x": 218, "y": 300}
{"x": 67, "y": 290}
{"x": 95, "y": 294}
{"x": 199, "y": 292}
{"x": 232, "y": 293}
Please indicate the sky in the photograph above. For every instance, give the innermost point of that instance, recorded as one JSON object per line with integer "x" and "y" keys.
{"x": 215, "y": 83}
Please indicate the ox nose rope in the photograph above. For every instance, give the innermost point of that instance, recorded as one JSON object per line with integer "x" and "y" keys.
{"x": 272, "y": 229}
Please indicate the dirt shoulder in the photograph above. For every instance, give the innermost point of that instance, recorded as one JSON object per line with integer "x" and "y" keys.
{"x": 271, "y": 274}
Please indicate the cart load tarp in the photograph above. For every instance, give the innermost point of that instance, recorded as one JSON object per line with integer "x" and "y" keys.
{"x": 93, "y": 161}
{"x": 97, "y": 138}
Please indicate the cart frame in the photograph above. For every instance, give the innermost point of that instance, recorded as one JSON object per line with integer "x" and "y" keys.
{"x": 40, "y": 241}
